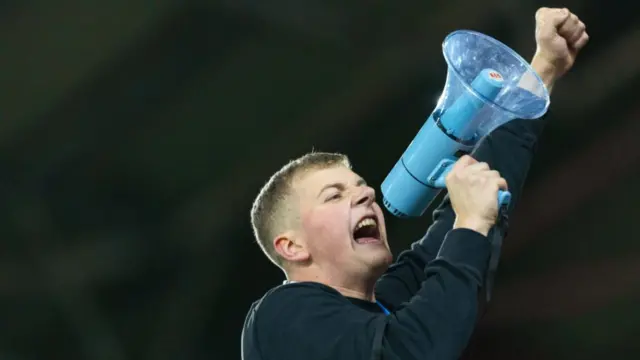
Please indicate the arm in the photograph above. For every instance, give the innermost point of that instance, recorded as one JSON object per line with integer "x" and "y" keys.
{"x": 509, "y": 149}
{"x": 311, "y": 321}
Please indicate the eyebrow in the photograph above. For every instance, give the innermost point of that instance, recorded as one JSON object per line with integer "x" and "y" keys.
{"x": 341, "y": 186}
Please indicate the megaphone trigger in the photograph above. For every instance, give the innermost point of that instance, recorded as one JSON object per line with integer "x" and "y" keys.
{"x": 439, "y": 174}
{"x": 504, "y": 199}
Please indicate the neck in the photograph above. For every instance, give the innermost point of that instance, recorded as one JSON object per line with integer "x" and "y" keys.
{"x": 354, "y": 289}
{"x": 365, "y": 294}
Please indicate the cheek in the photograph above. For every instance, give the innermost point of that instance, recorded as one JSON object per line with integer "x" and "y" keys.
{"x": 326, "y": 229}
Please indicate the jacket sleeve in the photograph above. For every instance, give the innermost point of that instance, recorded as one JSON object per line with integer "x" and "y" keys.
{"x": 509, "y": 149}
{"x": 311, "y": 321}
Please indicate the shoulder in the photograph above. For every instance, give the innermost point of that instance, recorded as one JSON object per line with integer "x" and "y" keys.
{"x": 285, "y": 311}
{"x": 288, "y": 297}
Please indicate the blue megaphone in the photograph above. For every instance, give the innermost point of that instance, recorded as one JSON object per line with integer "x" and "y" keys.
{"x": 488, "y": 84}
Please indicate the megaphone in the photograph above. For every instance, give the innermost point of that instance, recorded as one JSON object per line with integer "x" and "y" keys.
{"x": 488, "y": 84}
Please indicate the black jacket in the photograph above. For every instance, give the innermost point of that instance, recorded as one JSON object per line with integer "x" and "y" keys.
{"x": 432, "y": 289}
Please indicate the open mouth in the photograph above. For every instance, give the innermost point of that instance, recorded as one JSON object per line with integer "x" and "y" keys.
{"x": 366, "y": 231}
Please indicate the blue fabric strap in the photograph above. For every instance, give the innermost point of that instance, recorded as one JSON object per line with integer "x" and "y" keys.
{"x": 384, "y": 309}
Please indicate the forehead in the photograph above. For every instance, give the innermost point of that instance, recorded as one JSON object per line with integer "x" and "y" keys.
{"x": 311, "y": 182}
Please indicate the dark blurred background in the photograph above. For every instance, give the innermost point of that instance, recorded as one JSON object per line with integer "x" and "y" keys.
{"x": 135, "y": 134}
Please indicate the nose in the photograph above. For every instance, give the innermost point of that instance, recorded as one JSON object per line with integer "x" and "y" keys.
{"x": 366, "y": 196}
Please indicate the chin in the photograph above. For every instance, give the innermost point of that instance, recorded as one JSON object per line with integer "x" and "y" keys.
{"x": 379, "y": 263}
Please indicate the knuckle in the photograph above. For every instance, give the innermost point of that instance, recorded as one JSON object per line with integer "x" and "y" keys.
{"x": 574, "y": 21}
{"x": 541, "y": 12}
{"x": 467, "y": 159}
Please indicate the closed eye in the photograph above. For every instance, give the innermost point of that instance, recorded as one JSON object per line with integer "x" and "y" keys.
{"x": 332, "y": 197}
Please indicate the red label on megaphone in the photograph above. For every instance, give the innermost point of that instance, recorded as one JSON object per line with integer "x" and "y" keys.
{"x": 495, "y": 75}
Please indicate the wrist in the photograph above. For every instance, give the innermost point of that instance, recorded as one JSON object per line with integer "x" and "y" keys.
{"x": 478, "y": 225}
{"x": 546, "y": 70}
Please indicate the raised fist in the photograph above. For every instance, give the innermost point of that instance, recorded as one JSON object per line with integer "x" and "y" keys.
{"x": 559, "y": 36}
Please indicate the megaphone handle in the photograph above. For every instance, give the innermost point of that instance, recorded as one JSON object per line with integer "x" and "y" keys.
{"x": 437, "y": 179}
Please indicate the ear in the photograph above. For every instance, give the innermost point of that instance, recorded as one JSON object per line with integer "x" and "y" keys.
{"x": 291, "y": 247}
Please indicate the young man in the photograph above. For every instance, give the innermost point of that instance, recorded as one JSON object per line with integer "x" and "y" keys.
{"x": 318, "y": 221}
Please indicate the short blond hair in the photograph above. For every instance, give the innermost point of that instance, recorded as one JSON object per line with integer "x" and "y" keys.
{"x": 273, "y": 212}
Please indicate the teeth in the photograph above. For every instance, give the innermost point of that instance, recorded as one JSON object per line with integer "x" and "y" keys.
{"x": 366, "y": 222}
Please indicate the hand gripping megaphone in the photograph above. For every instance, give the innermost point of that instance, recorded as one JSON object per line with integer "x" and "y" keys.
{"x": 488, "y": 84}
